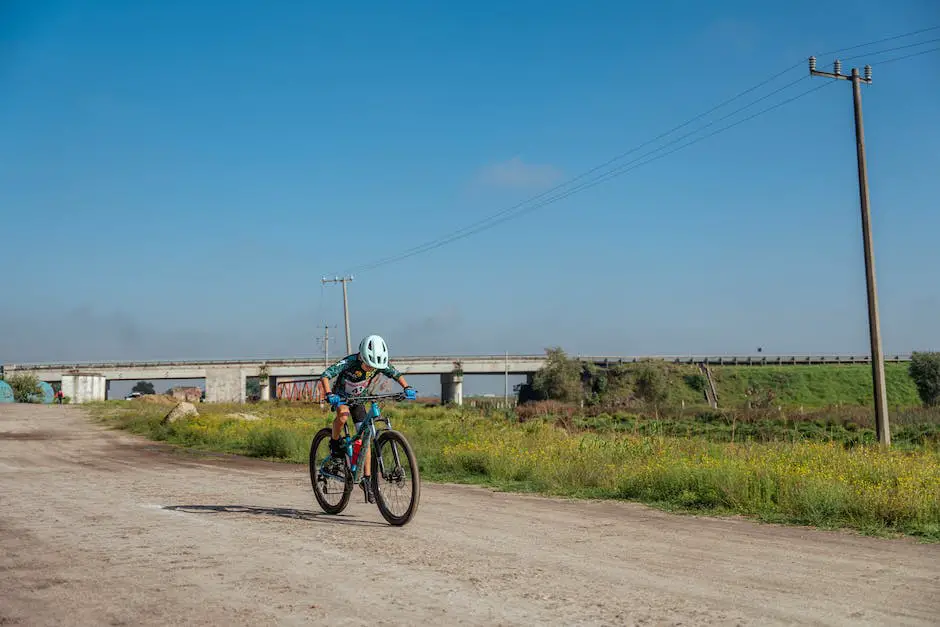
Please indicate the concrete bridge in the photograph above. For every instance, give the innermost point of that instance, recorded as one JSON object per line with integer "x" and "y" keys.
{"x": 225, "y": 379}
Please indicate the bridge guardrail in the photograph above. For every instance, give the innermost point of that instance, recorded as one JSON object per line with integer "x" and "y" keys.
{"x": 740, "y": 360}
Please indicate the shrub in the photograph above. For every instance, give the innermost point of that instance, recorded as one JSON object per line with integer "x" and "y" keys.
{"x": 925, "y": 371}
{"x": 144, "y": 387}
{"x": 559, "y": 379}
{"x": 652, "y": 384}
{"x": 25, "y": 388}
{"x": 696, "y": 382}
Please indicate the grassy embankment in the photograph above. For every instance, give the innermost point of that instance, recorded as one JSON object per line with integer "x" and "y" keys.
{"x": 767, "y": 404}
{"x": 814, "y": 386}
{"x": 813, "y": 479}
{"x": 793, "y": 387}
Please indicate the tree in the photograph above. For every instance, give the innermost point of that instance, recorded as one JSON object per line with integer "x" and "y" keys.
{"x": 925, "y": 371}
{"x": 618, "y": 389}
{"x": 559, "y": 379}
{"x": 25, "y": 388}
{"x": 652, "y": 384}
{"x": 252, "y": 388}
{"x": 144, "y": 387}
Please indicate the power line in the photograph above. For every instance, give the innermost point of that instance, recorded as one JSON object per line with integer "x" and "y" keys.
{"x": 587, "y": 185}
{"x": 907, "y": 56}
{"x": 498, "y": 217}
{"x": 520, "y": 208}
{"x": 881, "y": 41}
{"x": 610, "y": 161}
{"x": 868, "y": 54}
{"x": 725, "y": 117}
{"x": 617, "y": 172}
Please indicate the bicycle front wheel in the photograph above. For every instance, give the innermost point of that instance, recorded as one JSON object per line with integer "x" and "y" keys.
{"x": 397, "y": 482}
{"x": 331, "y": 481}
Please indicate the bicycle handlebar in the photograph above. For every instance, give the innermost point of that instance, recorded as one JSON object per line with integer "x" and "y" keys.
{"x": 362, "y": 399}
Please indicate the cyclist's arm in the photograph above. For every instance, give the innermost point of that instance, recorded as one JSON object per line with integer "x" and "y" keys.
{"x": 331, "y": 373}
{"x": 392, "y": 373}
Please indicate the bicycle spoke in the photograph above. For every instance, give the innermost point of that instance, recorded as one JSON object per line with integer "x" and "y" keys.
{"x": 395, "y": 474}
{"x": 330, "y": 479}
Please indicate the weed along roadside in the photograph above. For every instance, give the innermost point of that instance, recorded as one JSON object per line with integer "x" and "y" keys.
{"x": 818, "y": 476}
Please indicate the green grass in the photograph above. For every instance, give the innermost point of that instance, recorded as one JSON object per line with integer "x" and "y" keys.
{"x": 805, "y": 480}
{"x": 921, "y": 430}
{"x": 284, "y": 434}
{"x": 809, "y": 387}
{"x": 813, "y": 386}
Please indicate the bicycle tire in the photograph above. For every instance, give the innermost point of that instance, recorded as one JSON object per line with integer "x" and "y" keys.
{"x": 325, "y": 434}
{"x": 397, "y": 438}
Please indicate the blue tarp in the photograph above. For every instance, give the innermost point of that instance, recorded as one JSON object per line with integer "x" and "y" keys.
{"x": 48, "y": 394}
{"x": 6, "y": 392}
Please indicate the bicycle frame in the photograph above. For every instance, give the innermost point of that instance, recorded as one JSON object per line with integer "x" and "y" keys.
{"x": 367, "y": 434}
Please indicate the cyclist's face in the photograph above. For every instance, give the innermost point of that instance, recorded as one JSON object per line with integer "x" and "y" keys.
{"x": 367, "y": 367}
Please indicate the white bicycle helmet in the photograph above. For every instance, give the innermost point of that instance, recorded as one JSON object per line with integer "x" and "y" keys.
{"x": 373, "y": 351}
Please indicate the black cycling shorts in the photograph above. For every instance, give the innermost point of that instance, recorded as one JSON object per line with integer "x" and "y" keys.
{"x": 357, "y": 413}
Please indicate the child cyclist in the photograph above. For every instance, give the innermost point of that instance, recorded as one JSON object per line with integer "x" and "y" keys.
{"x": 353, "y": 373}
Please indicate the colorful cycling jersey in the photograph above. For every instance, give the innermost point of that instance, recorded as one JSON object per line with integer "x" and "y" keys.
{"x": 352, "y": 378}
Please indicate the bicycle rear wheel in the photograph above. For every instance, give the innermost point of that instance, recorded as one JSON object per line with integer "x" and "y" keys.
{"x": 332, "y": 482}
{"x": 395, "y": 472}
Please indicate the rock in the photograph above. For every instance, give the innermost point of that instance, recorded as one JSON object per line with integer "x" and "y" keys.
{"x": 180, "y": 411}
{"x": 191, "y": 394}
{"x": 156, "y": 399}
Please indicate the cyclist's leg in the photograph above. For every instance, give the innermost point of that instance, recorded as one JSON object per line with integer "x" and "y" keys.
{"x": 342, "y": 414}
{"x": 358, "y": 415}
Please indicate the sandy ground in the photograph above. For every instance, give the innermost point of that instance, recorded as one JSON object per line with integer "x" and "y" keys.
{"x": 102, "y": 528}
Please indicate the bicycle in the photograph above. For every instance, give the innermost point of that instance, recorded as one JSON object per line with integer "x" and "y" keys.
{"x": 385, "y": 465}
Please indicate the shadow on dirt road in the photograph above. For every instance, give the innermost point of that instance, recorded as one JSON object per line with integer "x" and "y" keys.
{"x": 282, "y": 512}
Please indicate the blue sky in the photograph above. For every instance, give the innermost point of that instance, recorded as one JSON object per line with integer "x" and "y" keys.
{"x": 176, "y": 177}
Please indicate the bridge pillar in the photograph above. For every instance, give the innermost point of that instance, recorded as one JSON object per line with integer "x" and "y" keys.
{"x": 225, "y": 385}
{"x": 269, "y": 388}
{"x": 451, "y": 388}
{"x": 84, "y": 387}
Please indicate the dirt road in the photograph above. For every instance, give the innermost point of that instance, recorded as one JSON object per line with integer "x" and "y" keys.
{"x": 99, "y": 527}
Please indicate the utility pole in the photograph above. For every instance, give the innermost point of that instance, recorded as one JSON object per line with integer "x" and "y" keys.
{"x": 506, "y": 386}
{"x": 326, "y": 346}
{"x": 882, "y": 427}
{"x": 343, "y": 280}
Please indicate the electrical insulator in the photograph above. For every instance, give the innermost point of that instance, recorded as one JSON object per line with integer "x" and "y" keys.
{"x": 868, "y": 73}
{"x": 838, "y": 67}
{"x": 812, "y": 64}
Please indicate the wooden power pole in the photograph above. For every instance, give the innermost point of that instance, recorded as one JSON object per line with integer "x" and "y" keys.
{"x": 343, "y": 280}
{"x": 882, "y": 427}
